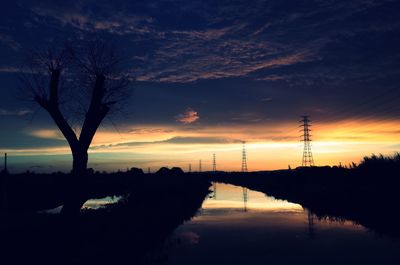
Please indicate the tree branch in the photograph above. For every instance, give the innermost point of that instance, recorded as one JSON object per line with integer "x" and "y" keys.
{"x": 95, "y": 114}
{"x": 54, "y": 81}
{"x": 52, "y": 107}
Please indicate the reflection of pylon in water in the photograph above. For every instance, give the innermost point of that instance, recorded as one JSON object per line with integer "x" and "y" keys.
{"x": 214, "y": 171}
{"x": 3, "y": 187}
{"x": 5, "y": 164}
{"x": 311, "y": 226}
{"x": 245, "y": 198}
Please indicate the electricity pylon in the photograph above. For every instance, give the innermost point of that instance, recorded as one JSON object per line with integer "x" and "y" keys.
{"x": 308, "y": 159}
{"x": 244, "y": 158}
{"x": 214, "y": 163}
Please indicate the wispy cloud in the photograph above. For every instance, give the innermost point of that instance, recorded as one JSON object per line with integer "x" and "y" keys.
{"x": 47, "y": 134}
{"x": 13, "y": 69}
{"x": 19, "y": 112}
{"x": 178, "y": 140}
{"x": 115, "y": 23}
{"x": 148, "y": 131}
{"x": 10, "y": 42}
{"x": 181, "y": 56}
{"x": 236, "y": 39}
{"x": 216, "y": 54}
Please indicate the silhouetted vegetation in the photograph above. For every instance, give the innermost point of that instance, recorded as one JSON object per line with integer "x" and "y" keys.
{"x": 384, "y": 164}
{"x": 131, "y": 231}
{"x": 365, "y": 193}
{"x": 153, "y": 205}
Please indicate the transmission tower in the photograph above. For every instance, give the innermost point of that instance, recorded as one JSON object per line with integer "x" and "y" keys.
{"x": 199, "y": 165}
{"x": 244, "y": 158}
{"x": 308, "y": 159}
{"x": 214, "y": 163}
{"x": 190, "y": 168}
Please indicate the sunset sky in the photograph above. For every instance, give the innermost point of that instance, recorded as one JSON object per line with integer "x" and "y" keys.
{"x": 211, "y": 74}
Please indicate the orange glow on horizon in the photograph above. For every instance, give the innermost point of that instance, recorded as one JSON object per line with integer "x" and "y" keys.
{"x": 270, "y": 146}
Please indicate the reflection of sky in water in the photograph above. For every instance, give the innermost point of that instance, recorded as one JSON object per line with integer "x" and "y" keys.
{"x": 97, "y": 203}
{"x": 89, "y": 204}
{"x": 273, "y": 232}
{"x": 232, "y": 197}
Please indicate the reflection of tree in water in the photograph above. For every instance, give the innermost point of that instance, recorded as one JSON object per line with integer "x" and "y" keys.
{"x": 129, "y": 231}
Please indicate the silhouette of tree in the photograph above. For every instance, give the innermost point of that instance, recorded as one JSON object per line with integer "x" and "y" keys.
{"x": 78, "y": 86}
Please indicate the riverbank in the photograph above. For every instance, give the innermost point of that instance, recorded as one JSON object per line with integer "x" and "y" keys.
{"x": 365, "y": 196}
{"x": 131, "y": 230}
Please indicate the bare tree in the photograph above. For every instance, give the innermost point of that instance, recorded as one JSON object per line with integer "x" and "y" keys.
{"x": 78, "y": 86}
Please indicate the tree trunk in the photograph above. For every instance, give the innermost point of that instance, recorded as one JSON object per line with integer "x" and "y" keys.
{"x": 76, "y": 192}
{"x": 80, "y": 160}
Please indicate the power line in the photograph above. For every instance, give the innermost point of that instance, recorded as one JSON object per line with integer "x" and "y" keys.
{"x": 372, "y": 104}
{"x": 366, "y": 121}
{"x": 380, "y": 104}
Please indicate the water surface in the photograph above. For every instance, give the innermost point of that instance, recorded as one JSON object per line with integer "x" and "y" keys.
{"x": 91, "y": 204}
{"x": 240, "y": 226}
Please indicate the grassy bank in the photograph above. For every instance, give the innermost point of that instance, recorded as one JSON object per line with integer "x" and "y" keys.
{"x": 130, "y": 231}
{"x": 365, "y": 193}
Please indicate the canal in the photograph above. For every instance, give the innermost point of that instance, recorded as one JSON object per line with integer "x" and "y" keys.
{"x": 240, "y": 226}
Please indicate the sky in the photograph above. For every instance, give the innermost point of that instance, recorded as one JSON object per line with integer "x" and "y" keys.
{"x": 211, "y": 74}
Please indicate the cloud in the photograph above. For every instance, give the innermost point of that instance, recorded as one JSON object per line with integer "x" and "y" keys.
{"x": 266, "y": 99}
{"x": 114, "y": 23}
{"x": 200, "y": 140}
{"x": 216, "y": 54}
{"x": 10, "y": 42}
{"x": 147, "y": 131}
{"x": 236, "y": 39}
{"x": 271, "y": 78}
{"x": 179, "y": 140}
{"x": 189, "y": 116}
{"x": 186, "y": 55}
{"x": 20, "y": 112}
{"x": 47, "y": 134}
{"x": 7, "y": 69}
{"x": 12, "y": 69}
